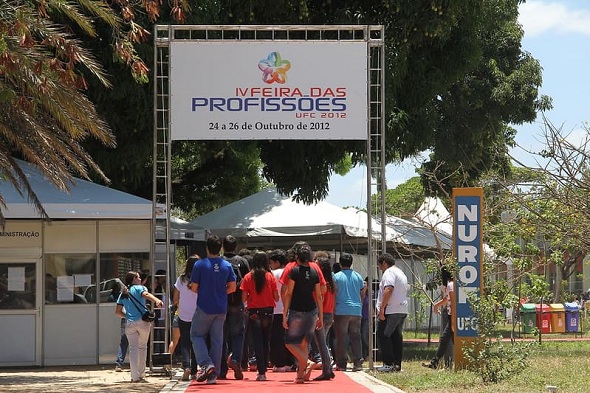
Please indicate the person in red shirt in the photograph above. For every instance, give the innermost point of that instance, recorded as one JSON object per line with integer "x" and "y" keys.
{"x": 260, "y": 293}
{"x": 322, "y": 258}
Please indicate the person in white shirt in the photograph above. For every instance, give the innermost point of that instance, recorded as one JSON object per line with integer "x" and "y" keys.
{"x": 392, "y": 310}
{"x": 186, "y": 302}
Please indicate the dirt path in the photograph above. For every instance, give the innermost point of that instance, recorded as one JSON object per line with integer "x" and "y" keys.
{"x": 75, "y": 379}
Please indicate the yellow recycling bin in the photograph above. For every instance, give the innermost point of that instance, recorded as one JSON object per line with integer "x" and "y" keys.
{"x": 557, "y": 318}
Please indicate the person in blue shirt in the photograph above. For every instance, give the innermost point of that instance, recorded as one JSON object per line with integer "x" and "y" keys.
{"x": 213, "y": 277}
{"x": 132, "y": 300}
{"x": 347, "y": 314}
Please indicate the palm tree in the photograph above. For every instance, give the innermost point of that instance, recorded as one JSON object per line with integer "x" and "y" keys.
{"x": 44, "y": 114}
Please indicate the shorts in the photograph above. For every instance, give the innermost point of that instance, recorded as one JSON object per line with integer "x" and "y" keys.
{"x": 301, "y": 325}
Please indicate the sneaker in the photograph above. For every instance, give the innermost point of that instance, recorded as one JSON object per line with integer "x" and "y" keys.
{"x": 430, "y": 364}
{"x": 205, "y": 373}
{"x": 140, "y": 380}
{"x": 235, "y": 366}
{"x": 252, "y": 366}
{"x": 386, "y": 368}
{"x": 357, "y": 368}
{"x": 324, "y": 377}
{"x": 211, "y": 380}
{"x": 261, "y": 377}
{"x": 118, "y": 368}
{"x": 186, "y": 374}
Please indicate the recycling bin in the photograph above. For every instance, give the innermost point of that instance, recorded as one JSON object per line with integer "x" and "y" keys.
{"x": 557, "y": 317}
{"x": 572, "y": 317}
{"x": 543, "y": 318}
{"x": 527, "y": 317}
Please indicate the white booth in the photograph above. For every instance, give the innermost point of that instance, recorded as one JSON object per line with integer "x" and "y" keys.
{"x": 59, "y": 278}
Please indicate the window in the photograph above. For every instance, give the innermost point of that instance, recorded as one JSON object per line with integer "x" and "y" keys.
{"x": 69, "y": 278}
{"x": 113, "y": 267}
{"x": 17, "y": 286}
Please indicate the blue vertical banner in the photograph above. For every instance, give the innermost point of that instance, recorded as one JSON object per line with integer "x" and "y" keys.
{"x": 468, "y": 252}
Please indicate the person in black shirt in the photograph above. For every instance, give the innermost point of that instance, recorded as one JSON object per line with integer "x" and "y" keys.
{"x": 303, "y": 311}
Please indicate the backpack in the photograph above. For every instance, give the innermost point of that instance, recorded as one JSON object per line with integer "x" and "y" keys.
{"x": 241, "y": 268}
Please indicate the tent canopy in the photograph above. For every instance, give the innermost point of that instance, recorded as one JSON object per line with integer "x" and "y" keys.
{"x": 182, "y": 230}
{"x": 267, "y": 213}
{"x": 419, "y": 235}
{"x": 85, "y": 200}
{"x": 434, "y": 214}
{"x": 268, "y": 220}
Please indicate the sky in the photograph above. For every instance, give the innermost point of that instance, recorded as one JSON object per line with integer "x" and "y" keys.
{"x": 557, "y": 33}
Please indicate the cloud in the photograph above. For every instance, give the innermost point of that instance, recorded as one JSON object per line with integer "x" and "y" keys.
{"x": 538, "y": 17}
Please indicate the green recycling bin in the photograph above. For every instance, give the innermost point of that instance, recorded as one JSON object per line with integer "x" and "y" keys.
{"x": 528, "y": 317}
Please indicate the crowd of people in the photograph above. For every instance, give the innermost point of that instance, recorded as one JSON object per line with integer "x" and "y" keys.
{"x": 280, "y": 311}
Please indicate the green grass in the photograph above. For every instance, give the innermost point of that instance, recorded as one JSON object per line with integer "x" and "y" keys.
{"x": 562, "y": 364}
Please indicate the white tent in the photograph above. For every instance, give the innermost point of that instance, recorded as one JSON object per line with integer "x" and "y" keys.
{"x": 419, "y": 235}
{"x": 434, "y": 214}
{"x": 269, "y": 220}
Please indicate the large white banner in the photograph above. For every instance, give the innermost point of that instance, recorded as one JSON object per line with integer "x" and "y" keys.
{"x": 268, "y": 90}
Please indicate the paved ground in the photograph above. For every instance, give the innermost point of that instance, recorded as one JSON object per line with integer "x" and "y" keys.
{"x": 103, "y": 378}
{"x": 94, "y": 379}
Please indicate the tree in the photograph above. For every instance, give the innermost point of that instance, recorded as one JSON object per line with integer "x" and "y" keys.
{"x": 478, "y": 108}
{"x": 44, "y": 115}
{"x": 557, "y": 204}
{"x": 405, "y": 199}
{"x": 455, "y": 72}
{"x": 545, "y": 210}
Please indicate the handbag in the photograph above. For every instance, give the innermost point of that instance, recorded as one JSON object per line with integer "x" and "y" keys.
{"x": 147, "y": 315}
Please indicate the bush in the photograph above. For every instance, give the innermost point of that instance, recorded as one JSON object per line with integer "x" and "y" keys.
{"x": 490, "y": 358}
{"x": 494, "y": 361}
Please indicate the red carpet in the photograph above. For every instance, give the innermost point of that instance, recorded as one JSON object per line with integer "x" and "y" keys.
{"x": 280, "y": 382}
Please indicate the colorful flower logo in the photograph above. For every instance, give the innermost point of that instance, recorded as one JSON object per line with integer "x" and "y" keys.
{"x": 274, "y": 69}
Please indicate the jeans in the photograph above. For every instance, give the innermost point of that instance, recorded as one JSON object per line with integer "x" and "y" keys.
{"x": 233, "y": 336}
{"x": 260, "y": 320}
{"x": 301, "y": 326}
{"x": 391, "y": 346}
{"x": 123, "y": 345}
{"x": 446, "y": 337}
{"x": 348, "y": 331}
{"x": 320, "y": 338}
{"x": 365, "y": 350}
{"x": 186, "y": 347}
{"x": 279, "y": 354}
{"x": 207, "y": 325}
{"x": 138, "y": 334}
